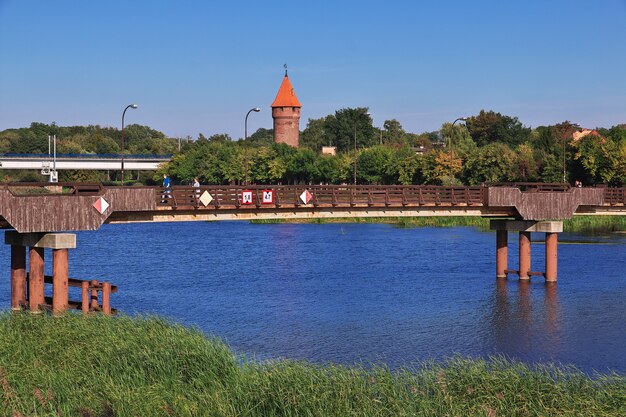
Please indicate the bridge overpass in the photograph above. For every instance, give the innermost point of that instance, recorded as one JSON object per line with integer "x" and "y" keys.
{"x": 37, "y": 211}
{"x": 103, "y": 162}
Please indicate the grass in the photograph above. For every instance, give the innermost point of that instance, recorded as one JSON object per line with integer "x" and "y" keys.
{"x": 577, "y": 224}
{"x": 98, "y": 366}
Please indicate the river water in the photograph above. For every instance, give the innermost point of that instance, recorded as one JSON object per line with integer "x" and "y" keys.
{"x": 363, "y": 293}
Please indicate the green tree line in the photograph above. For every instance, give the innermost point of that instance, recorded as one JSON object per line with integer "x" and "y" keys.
{"x": 488, "y": 147}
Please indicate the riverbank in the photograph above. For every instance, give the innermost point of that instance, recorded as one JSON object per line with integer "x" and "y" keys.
{"x": 577, "y": 224}
{"x": 98, "y": 366}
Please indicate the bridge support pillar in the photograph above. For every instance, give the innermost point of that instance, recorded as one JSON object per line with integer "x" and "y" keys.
{"x": 551, "y": 256}
{"x": 502, "y": 252}
{"x": 18, "y": 277}
{"x": 60, "y": 280}
{"x": 525, "y": 227}
{"x": 524, "y": 255}
{"x": 35, "y": 280}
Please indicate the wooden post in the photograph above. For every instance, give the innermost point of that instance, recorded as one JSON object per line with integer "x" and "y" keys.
{"x": 551, "y": 256}
{"x": 85, "y": 297}
{"x": 94, "y": 295}
{"x": 106, "y": 298}
{"x": 36, "y": 278}
{"x": 524, "y": 255}
{"x": 18, "y": 277}
{"x": 502, "y": 253}
{"x": 59, "y": 280}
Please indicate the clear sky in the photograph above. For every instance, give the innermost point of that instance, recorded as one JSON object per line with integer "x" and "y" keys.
{"x": 199, "y": 66}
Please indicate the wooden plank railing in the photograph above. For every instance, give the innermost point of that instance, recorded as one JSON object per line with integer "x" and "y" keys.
{"x": 186, "y": 197}
{"x": 615, "y": 196}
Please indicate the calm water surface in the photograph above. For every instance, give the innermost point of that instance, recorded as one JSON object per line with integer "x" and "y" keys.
{"x": 352, "y": 293}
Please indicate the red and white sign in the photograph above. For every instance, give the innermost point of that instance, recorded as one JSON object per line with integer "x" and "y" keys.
{"x": 306, "y": 196}
{"x": 268, "y": 197}
{"x": 101, "y": 205}
{"x": 246, "y": 197}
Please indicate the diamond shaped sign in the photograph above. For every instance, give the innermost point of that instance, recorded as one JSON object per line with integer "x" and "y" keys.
{"x": 205, "y": 198}
{"x": 101, "y": 205}
{"x": 306, "y": 196}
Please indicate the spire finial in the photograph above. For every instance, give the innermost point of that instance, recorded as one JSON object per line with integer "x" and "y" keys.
{"x": 285, "y": 69}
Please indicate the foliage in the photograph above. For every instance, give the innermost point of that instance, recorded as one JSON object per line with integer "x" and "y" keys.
{"x": 490, "y": 127}
{"x": 100, "y": 366}
{"x": 489, "y": 147}
{"x": 490, "y": 164}
{"x": 345, "y": 124}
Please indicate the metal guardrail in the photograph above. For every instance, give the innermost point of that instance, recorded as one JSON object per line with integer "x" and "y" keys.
{"x": 38, "y": 156}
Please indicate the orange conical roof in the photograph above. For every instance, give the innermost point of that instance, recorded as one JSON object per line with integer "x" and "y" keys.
{"x": 286, "y": 97}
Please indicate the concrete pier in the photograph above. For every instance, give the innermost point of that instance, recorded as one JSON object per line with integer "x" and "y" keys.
{"x": 36, "y": 244}
{"x": 525, "y": 227}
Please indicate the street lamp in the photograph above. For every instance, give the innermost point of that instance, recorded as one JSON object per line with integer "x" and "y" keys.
{"x": 458, "y": 119}
{"x": 355, "y": 123}
{"x": 132, "y": 106}
{"x": 245, "y": 138}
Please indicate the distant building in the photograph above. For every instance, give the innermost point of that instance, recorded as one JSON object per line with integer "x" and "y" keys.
{"x": 286, "y": 114}
{"x": 329, "y": 150}
{"x": 579, "y": 134}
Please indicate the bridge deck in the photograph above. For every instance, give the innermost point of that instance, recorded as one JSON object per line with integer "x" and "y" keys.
{"x": 44, "y": 207}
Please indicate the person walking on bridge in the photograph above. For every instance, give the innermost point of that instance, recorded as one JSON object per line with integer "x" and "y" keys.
{"x": 167, "y": 185}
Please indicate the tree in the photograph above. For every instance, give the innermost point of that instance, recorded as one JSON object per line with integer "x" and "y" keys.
{"x": 404, "y": 167}
{"x": 372, "y": 165}
{"x": 327, "y": 170}
{"x": 393, "y": 132}
{"x": 314, "y": 135}
{"x": 458, "y": 139}
{"x": 262, "y": 137}
{"x": 489, "y": 127}
{"x": 489, "y": 164}
{"x": 342, "y": 127}
{"x": 440, "y": 168}
{"x": 524, "y": 167}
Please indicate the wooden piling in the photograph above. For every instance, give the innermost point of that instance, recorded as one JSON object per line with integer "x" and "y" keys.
{"x": 18, "y": 277}
{"x": 551, "y": 256}
{"x": 94, "y": 295}
{"x": 502, "y": 253}
{"x": 59, "y": 280}
{"x": 106, "y": 298}
{"x": 85, "y": 297}
{"x": 36, "y": 278}
{"x": 524, "y": 255}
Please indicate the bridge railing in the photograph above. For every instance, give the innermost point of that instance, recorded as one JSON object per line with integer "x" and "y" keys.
{"x": 321, "y": 196}
{"x": 615, "y": 196}
{"x": 53, "y": 188}
{"x": 534, "y": 186}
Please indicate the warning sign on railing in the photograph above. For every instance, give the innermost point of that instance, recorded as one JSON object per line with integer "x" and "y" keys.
{"x": 246, "y": 197}
{"x": 306, "y": 196}
{"x": 268, "y": 197}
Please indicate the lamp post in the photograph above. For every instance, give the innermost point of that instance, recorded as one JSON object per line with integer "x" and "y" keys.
{"x": 132, "y": 106}
{"x": 356, "y": 121}
{"x": 458, "y": 119}
{"x": 245, "y": 138}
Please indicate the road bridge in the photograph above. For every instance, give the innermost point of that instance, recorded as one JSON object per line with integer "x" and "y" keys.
{"x": 38, "y": 212}
{"x": 99, "y": 162}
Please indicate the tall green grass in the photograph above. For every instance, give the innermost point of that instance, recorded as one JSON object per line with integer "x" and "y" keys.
{"x": 99, "y": 366}
{"x": 577, "y": 224}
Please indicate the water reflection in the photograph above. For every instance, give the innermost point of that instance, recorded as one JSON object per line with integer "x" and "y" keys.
{"x": 526, "y": 317}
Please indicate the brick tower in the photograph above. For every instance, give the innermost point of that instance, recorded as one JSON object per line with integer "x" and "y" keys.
{"x": 286, "y": 114}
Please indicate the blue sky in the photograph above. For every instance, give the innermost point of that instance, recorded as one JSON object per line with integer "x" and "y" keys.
{"x": 199, "y": 66}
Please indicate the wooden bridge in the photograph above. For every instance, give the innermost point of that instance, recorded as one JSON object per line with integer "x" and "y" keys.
{"x": 39, "y": 211}
{"x": 43, "y": 207}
